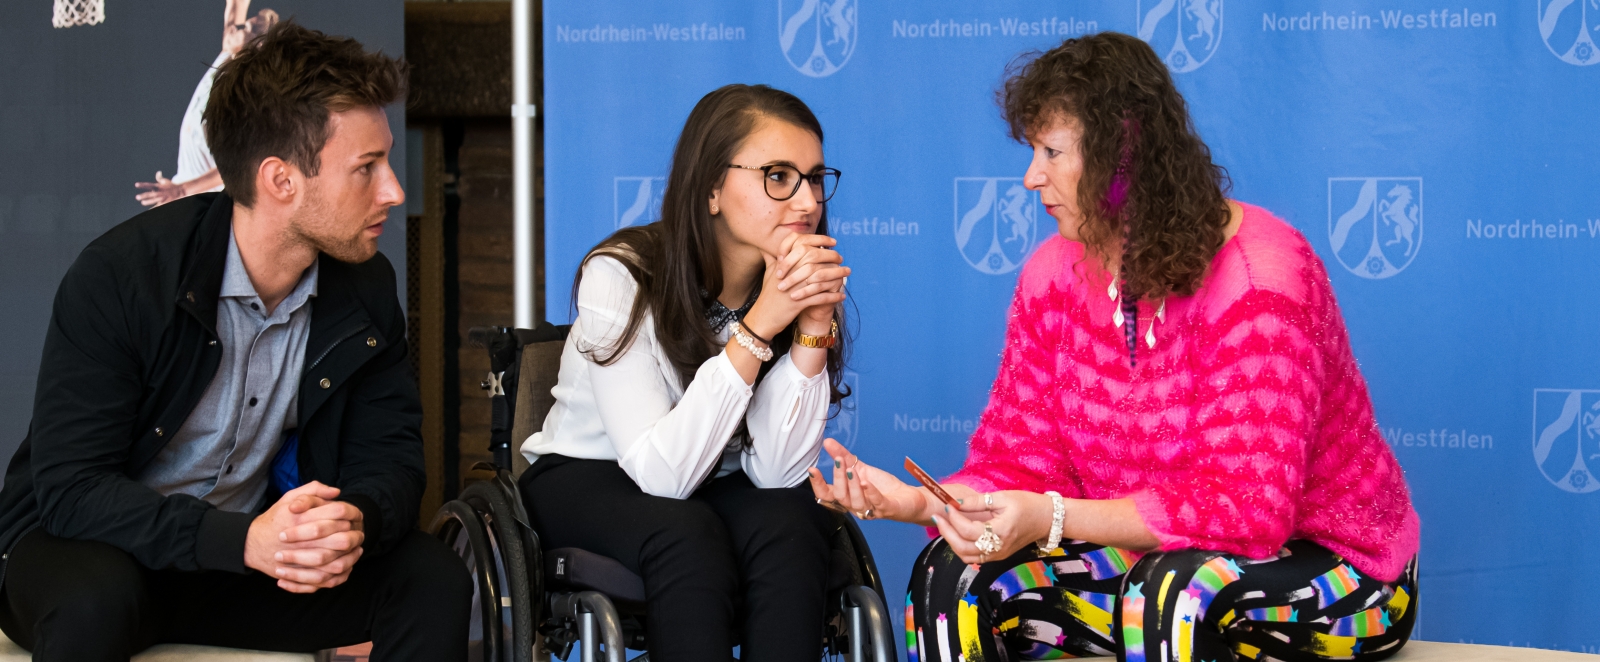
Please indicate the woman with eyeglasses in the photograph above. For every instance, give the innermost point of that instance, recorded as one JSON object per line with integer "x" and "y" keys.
{"x": 695, "y": 384}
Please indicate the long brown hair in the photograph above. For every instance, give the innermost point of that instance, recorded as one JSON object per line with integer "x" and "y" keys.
{"x": 677, "y": 258}
{"x": 1149, "y": 187}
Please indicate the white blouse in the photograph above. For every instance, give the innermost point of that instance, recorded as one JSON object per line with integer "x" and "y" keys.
{"x": 669, "y": 438}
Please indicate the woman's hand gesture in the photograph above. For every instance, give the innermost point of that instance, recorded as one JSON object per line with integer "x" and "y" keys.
{"x": 1018, "y": 518}
{"x": 865, "y": 490}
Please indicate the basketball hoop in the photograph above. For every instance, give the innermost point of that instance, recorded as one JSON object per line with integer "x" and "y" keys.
{"x": 78, "y": 12}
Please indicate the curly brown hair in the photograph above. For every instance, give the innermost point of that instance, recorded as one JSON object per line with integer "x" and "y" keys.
{"x": 1149, "y": 187}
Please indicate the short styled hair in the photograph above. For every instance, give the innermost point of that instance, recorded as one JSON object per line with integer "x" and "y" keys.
{"x": 274, "y": 98}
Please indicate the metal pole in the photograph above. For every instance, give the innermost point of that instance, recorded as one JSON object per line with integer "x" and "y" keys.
{"x": 588, "y": 643}
{"x": 858, "y": 632}
{"x": 522, "y": 111}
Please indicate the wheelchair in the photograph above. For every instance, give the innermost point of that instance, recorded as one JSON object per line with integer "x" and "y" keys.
{"x": 530, "y": 602}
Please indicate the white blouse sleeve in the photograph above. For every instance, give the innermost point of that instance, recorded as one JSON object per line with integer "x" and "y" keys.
{"x": 786, "y": 421}
{"x": 668, "y": 448}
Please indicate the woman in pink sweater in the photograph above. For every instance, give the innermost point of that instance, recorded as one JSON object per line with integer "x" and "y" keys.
{"x": 1179, "y": 459}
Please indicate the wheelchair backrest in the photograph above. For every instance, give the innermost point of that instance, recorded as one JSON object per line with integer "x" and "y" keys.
{"x": 539, "y": 364}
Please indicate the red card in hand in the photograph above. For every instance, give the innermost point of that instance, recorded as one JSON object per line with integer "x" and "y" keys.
{"x": 928, "y": 482}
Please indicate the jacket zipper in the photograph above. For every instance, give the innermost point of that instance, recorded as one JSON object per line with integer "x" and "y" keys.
{"x": 330, "y": 348}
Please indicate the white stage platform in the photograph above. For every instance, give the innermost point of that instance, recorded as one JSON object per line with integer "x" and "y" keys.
{"x": 10, "y": 652}
{"x": 1416, "y": 651}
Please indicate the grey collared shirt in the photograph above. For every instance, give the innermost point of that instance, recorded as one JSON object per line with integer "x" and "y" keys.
{"x": 223, "y": 452}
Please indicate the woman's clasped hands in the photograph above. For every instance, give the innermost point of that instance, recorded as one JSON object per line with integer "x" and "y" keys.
{"x": 1017, "y": 518}
{"x": 805, "y": 280}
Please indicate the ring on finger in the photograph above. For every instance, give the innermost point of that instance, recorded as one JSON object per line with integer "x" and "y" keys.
{"x": 989, "y": 542}
{"x": 832, "y": 504}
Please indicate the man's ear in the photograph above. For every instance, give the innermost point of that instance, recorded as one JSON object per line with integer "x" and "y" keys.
{"x": 278, "y": 179}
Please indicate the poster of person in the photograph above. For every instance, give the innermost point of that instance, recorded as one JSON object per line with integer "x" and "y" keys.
{"x": 196, "y": 172}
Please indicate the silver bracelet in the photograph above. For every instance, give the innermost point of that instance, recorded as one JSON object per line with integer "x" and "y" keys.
{"x": 742, "y": 337}
{"x": 1058, "y": 517}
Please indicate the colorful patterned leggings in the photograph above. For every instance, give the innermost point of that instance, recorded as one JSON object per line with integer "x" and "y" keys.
{"x": 1306, "y": 603}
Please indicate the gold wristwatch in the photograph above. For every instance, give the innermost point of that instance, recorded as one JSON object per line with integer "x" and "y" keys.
{"x": 817, "y": 342}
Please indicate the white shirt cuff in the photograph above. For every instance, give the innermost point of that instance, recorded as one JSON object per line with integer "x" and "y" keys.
{"x": 725, "y": 365}
{"x": 790, "y": 371}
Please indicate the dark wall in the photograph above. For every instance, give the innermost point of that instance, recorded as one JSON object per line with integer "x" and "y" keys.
{"x": 87, "y": 111}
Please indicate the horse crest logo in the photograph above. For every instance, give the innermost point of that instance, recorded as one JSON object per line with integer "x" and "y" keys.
{"x": 1189, "y": 39}
{"x": 1566, "y": 437}
{"x": 1375, "y": 223}
{"x": 818, "y": 37}
{"x": 846, "y": 422}
{"x": 1567, "y": 31}
{"x": 996, "y": 220}
{"x": 637, "y": 200}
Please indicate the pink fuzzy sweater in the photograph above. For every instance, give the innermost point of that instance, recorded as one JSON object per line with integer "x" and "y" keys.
{"x": 1245, "y": 425}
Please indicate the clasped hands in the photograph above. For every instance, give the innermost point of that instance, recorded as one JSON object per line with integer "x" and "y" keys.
{"x": 804, "y": 280}
{"x": 306, "y": 540}
{"x": 1019, "y": 518}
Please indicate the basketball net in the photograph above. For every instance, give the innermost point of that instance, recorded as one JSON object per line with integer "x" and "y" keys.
{"x": 78, "y": 12}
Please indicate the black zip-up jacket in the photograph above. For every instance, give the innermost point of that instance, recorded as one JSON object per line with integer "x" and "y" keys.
{"x": 131, "y": 347}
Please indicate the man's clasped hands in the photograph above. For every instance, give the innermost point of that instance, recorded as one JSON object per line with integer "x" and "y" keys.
{"x": 306, "y": 540}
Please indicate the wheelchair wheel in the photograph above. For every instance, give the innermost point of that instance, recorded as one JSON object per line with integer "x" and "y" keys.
{"x": 511, "y": 541}
{"x": 866, "y": 564}
{"x": 464, "y": 530}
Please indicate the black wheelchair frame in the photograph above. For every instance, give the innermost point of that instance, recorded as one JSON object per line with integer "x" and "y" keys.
{"x": 523, "y": 610}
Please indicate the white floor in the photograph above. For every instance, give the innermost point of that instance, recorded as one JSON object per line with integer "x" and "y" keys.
{"x": 1429, "y": 651}
{"x": 1416, "y": 651}
{"x": 10, "y": 652}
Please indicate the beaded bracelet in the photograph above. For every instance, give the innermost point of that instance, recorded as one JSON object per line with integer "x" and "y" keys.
{"x": 741, "y": 336}
{"x": 1058, "y": 516}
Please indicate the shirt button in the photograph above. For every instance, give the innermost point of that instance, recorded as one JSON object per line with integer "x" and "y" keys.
{"x": 212, "y": 343}
{"x": 252, "y": 402}
{"x": 189, "y": 296}
{"x": 372, "y": 342}
{"x": 325, "y": 383}
{"x": 160, "y": 432}
{"x": 230, "y": 469}
{"x": 254, "y": 307}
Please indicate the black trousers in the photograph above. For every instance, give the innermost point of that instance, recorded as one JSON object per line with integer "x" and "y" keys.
{"x": 730, "y": 557}
{"x": 78, "y": 601}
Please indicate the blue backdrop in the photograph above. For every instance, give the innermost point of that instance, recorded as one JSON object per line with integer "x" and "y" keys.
{"x": 1442, "y": 160}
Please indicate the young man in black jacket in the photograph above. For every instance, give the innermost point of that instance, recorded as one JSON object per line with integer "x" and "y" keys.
{"x": 225, "y": 444}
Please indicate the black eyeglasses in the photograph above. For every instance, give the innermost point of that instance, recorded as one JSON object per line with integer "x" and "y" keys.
{"x": 783, "y": 181}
